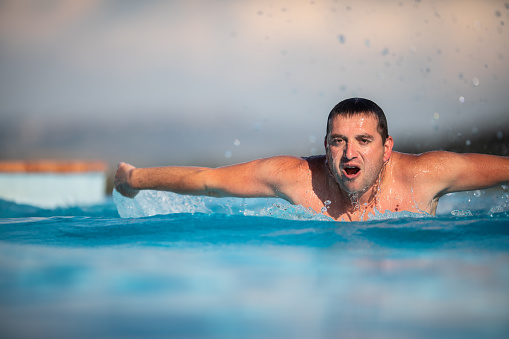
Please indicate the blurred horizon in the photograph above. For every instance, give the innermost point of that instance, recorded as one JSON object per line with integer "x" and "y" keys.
{"x": 217, "y": 82}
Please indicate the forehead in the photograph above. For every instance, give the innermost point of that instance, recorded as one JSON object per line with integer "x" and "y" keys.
{"x": 355, "y": 124}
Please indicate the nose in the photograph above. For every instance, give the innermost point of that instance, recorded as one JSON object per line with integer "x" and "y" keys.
{"x": 349, "y": 151}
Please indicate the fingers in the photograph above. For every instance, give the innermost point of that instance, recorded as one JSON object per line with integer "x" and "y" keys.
{"x": 120, "y": 181}
{"x": 122, "y": 164}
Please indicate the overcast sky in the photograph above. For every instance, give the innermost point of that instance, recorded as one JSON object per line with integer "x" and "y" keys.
{"x": 218, "y": 81}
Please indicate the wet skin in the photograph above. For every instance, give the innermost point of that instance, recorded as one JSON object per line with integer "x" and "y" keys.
{"x": 391, "y": 191}
{"x": 350, "y": 176}
{"x": 356, "y": 154}
{"x": 358, "y": 174}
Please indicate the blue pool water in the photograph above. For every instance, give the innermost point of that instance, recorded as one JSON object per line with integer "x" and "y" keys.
{"x": 187, "y": 267}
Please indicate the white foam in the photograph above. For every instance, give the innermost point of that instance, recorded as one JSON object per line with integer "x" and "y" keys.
{"x": 149, "y": 203}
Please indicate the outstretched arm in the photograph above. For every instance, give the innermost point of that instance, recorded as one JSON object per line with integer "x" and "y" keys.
{"x": 269, "y": 177}
{"x": 452, "y": 172}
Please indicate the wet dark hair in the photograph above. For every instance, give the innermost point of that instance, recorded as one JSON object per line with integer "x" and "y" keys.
{"x": 359, "y": 106}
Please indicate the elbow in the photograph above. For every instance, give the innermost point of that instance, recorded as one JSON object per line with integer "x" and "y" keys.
{"x": 213, "y": 193}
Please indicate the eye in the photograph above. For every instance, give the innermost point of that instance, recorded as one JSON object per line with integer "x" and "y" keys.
{"x": 337, "y": 141}
{"x": 364, "y": 141}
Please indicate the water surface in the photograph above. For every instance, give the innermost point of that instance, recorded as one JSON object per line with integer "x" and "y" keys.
{"x": 250, "y": 269}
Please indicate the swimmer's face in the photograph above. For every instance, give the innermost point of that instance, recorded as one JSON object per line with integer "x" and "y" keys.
{"x": 355, "y": 152}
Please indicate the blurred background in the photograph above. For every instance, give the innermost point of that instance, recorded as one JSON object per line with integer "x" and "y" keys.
{"x": 214, "y": 82}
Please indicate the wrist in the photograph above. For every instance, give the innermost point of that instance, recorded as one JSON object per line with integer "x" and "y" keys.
{"x": 132, "y": 179}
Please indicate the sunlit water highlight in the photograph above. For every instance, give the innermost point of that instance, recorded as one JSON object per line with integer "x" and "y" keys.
{"x": 195, "y": 267}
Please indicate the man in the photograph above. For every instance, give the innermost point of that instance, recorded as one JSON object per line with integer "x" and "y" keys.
{"x": 358, "y": 174}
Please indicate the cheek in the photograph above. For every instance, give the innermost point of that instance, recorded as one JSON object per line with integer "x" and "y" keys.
{"x": 333, "y": 164}
{"x": 373, "y": 160}
{"x": 332, "y": 155}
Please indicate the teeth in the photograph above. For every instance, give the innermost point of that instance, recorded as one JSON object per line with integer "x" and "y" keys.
{"x": 351, "y": 169}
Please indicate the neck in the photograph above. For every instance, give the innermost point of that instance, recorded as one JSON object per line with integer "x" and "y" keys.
{"x": 369, "y": 198}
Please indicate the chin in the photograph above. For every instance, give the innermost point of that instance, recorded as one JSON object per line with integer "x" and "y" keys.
{"x": 354, "y": 189}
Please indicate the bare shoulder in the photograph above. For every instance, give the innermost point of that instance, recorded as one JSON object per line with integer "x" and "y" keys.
{"x": 284, "y": 164}
{"x": 315, "y": 162}
{"x": 443, "y": 160}
{"x": 428, "y": 162}
{"x": 445, "y": 172}
{"x": 286, "y": 160}
{"x": 273, "y": 170}
{"x": 266, "y": 177}
{"x": 288, "y": 174}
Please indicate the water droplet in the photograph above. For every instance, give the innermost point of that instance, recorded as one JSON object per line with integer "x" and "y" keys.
{"x": 260, "y": 13}
{"x": 475, "y": 81}
{"x": 468, "y": 142}
{"x": 462, "y": 99}
{"x": 475, "y": 130}
{"x": 460, "y": 76}
{"x": 327, "y": 202}
{"x": 436, "y": 116}
{"x": 367, "y": 43}
{"x": 500, "y": 135}
{"x": 460, "y": 213}
{"x": 312, "y": 138}
{"x": 498, "y": 14}
{"x": 412, "y": 48}
{"x": 439, "y": 51}
{"x": 341, "y": 39}
{"x": 477, "y": 194}
{"x": 385, "y": 51}
{"x": 228, "y": 154}
{"x": 236, "y": 142}
{"x": 324, "y": 209}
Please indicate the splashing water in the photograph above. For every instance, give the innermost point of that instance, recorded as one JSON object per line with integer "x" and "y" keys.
{"x": 149, "y": 203}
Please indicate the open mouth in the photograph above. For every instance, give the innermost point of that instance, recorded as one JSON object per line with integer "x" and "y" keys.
{"x": 351, "y": 170}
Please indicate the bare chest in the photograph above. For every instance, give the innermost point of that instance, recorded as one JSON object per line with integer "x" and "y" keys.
{"x": 395, "y": 198}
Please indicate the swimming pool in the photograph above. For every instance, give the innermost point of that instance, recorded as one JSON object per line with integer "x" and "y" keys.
{"x": 187, "y": 267}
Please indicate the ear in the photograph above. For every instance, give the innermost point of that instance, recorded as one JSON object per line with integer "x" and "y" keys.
{"x": 389, "y": 143}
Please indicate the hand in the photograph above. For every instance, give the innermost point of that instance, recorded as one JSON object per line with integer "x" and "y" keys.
{"x": 122, "y": 178}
